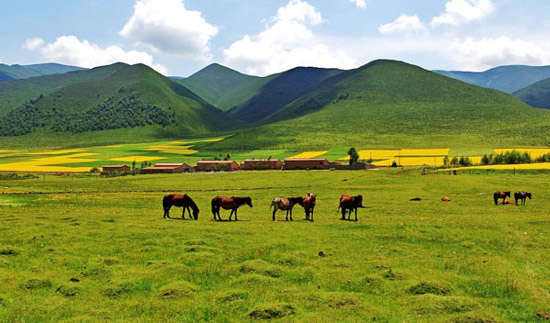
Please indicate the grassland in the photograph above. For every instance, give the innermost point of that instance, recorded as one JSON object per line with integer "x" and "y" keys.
{"x": 84, "y": 248}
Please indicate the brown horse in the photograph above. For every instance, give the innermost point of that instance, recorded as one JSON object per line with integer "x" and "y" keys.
{"x": 179, "y": 200}
{"x": 350, "y": 203}
{"x": 309, "y": 205}
{"x": 522, "y": 196}
{"x": 228, "y": 203}
{"x": 501, "y": 196}
{"x": 285, "y": 204}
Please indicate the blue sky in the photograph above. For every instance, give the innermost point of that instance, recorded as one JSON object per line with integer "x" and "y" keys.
{"x": 178, "y": 37}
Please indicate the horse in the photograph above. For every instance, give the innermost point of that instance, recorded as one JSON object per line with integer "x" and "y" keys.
{"x": 501, "y": 196}
{"x": 183, "y": 201}
{"x": 308, "y": 204}
{"x": 285, "y": 204}
{"x": 522, "y": 196}
{"x": 228, "y": 203}
{"x": 350, "y": 203}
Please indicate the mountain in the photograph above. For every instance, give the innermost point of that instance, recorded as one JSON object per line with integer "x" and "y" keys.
{"x": 537, "y": 95}
{"x": 110, "y": 97}
{"x": 5, "y": 77}
{"x": 223, "y": 87}
{"x": 507, "y": 79}
{"x": 28, "y": 71}
{"x": 394, "y": 104}
{"x": 280, "y": 91}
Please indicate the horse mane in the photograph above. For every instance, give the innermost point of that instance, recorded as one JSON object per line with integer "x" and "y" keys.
{"x": 193, "y": 205}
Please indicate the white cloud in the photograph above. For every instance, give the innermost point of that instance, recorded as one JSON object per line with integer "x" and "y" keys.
{"x": 73, "y": 51}
{"x": 403, "y": 24}
{"x": 168, "y": 26}
{"x": 286, "y": 42}
{"x": 480, "y": 54}
{"x": 362, "y": 4}
{"x": 458, "y": 12}
{"x": 33, "y": 43}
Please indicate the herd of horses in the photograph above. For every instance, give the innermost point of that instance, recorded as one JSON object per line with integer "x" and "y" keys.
{"x": 347, "y": 205}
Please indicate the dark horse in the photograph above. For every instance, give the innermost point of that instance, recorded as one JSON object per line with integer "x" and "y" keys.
{"x": 179, "y": 200}
{"x": 501, "y": 196}
{"x": 350, "y": 203}
{"x": 522, "y": 196}
{"x": 228, "y": 203}
{"x": 285, "y": 204}
{"x": 309, "y": 205}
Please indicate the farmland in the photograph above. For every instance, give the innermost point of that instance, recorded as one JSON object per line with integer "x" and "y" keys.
{"x": 83, "y": 248}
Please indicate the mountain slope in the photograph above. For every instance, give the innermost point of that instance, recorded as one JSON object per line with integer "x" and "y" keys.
{"x": 222, "y": 86}
{"x": 537, "y": 95}
{"x": 110, "y": 97}
{"x": 35, "y": 70}
{"x": 5, "y": 77}
{"x": 507, "y": 79}
{"x": 280, "y": 91}
{"x": 389, "y": 103}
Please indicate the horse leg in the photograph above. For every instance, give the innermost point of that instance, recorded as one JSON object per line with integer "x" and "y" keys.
{"x": 274, "y": 213}
{"x": 356, "y": 215}
{"x": 236, "y": 218}
{"x": 290, "y": 211}
{"x": 167, "y": 212}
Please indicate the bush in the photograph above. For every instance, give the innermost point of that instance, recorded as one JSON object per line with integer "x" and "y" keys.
{"x": 507, "y": 158}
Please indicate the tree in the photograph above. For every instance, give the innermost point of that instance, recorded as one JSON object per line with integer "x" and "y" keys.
{"x": 353, "y": 156}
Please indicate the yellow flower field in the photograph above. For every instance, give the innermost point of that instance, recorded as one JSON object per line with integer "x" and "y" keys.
{"x": 377, "y": 154}
{"x": 137, "y": 159}
{"x": 309, "y": 154}
{"x": 56, "y": 152}
{"x": 421, "y": 161}
{"x": 50, "y": 164}
{"x": 424, "y": 152}
{"x": 175, "y": 147}
{"x": 533, "y": 152}
{"x": 534, "y": 166}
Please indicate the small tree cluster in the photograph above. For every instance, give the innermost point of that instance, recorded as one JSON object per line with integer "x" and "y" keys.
{"x": 509, "y": 157}
{"x": 461, "y": 161}
{"x": 353, "y": 156}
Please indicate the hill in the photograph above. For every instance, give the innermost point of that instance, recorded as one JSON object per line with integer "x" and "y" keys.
{"x": 110, "y": 97}
{"x": 280, "y": 91}
{"x": 5, "y": 77}
{"x": 507, "y": 79}
{"x": 27, "y": 71}
{"x": 390, "y": 103}
{"x": 223, "y": 87}
{"x": 537, "y": 95}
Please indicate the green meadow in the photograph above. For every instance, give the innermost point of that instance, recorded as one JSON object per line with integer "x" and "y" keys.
{"x": 87, "y": 248}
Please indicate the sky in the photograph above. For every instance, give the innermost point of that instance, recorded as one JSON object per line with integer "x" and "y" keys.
{"x": 261, "y": 37}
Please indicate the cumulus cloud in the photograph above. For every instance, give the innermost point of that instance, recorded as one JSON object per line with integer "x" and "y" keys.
{"x": 458, "y": 12}
{"x": 362, "y": 4}
{"x": 168, "y": 26}
{"x": 287, "y": 41}
{"x": 480, "y": 54}
{"x": 403, "y": 24}
{"x": 33, "y": 43}
{"x": 73, "y": 51}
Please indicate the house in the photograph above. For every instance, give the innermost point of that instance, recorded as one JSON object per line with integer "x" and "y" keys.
{"x": 306, "y": 164}
{"x": 261, "y": 164}
{"x": 217, "y": 166}
{"x": 167, "y": 168}
{"x": 115, "y": 169}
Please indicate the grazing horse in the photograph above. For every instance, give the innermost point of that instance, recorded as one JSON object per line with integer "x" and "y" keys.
{"x": 350, "y": 203}
{"x": 522, "y": 196}
{"x": 309, "y": 205}
{"x": 179, "y": 200}
{"x": 228, "y": 203}
{"x": 285, "y": 204}
{"x": 501, "y": 196}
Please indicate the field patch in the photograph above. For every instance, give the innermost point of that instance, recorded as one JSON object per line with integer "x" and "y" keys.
{"x": 309, "y": 154}
{"x": 137, "y": 159}
{"x": 533, "y": 152}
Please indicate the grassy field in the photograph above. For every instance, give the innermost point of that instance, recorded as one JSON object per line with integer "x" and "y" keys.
{"x": 85, "y": 248}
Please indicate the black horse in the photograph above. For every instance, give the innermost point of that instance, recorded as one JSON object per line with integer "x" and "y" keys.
{"x": 179, "y": 200}
{"x": 501, "y": 196}
{"x": 522, "y": 196}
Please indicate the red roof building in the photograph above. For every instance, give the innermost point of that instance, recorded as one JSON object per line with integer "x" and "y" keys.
{"x": 167, "y": 168}
{"x": 217, "y": 166}
{"x": 262, "y": 164}
{"x": 306, "y": 164}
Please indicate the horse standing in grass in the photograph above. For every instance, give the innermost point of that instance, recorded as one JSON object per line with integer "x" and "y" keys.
{"x": 349, "y": 204}
{"x": 183, "y": 201}
{"x": 522, "y": 196}
{"x": 285, "y": 204}
{"x": 228, "y": 203}
{"x": 309, "y": 205}
{"x": 501, "y": 196}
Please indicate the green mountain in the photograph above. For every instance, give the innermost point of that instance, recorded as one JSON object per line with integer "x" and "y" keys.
{"x": 110, "y": 97}
{"x": 507, "y": 79}
{"x": 28, "y": 71}
{"x": 5, "y": 77}
{"x": 280, "y": 91}
{"x": 537, "y": 95}
{"x": 394, "y": 104}
{"x": 222, "y": 86}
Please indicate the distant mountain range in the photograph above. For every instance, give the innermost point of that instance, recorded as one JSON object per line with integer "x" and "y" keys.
{"x": 384, "y": 102}
{"x": 537, "y": 95}
{"x": 18, "y": 72}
